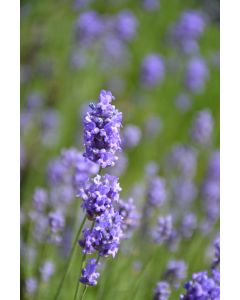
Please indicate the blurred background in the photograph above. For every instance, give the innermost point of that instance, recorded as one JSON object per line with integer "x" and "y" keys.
{"x": 160, "y": 59}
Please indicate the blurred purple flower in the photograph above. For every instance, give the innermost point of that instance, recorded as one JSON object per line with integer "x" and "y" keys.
{"x": 196, "y": 74}
{"x": 152, "y": 70}
{"x": 183, "y": 159}
{"x": 184, "y": 191}
{"x": 47, "y": 270}
{"x": 130, "y": 216}
{"x": 88, "y": 27}
{"x": 40, "y": 198}
{"x": 163, "y": 230}
{"x": 183, "y": 103}
{"x": 131, "y": 136}
{"x": 202, "y": 127}
{"x": 162, "y": 291}
{"x": 31, "y": 285}
{"x": 126, "y": 25}
{"x": 151, "y": 4}
{"x": 153, "y": 126}
{"x": 188, "y": 225}
{"x": 56, "y": 221}
{"x": 214, "y": 166}
{"x": 175, "y": 272}
{"x": 156, "y": 191}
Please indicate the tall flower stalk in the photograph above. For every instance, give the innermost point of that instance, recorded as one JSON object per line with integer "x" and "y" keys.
{"x": 99, "y": 194}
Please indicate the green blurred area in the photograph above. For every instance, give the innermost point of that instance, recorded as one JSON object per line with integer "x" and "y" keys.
{"x": 47, "y": 37}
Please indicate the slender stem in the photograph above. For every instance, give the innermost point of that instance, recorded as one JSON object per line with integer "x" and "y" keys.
{"x": 77, "y": 286}
{"x": 84, "y": 292}
{"x": 70, "y": 257}
{"x": 82, "y": 263}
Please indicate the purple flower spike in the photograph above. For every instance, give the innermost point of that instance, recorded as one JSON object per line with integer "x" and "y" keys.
{"x": 88, "y": 27}
{"x": 202, "y": 127}
{"x": 157, "y": 193}
{"x": 40, "y": 198}
{"x": 89, "y": 275}
{"x": 126, "y": 25}
{"x": 190, "y": 26}
{"x": 162, "y": 291}
{"x": 214, "y": 166}
{"x": 189, "y": 224}
{"x": 131, "y": 136}
{"x": 183, "y": 159}
{"x": 201, "y": 287}
{"x": 196, "y": 75}
{"x": 31, "y": 285}
{"x": 164, "y": 229}
{"x": 99, "y": 194}
{"x": 176, "y": 272}
{"x": 102, "y": 131}
{"x": 105, "y": 236}
{"x": 56, "y": 221}
{"x": 152, "y": 70}
{"x": 47, "y": 270}
{"x": 130, "y": 216}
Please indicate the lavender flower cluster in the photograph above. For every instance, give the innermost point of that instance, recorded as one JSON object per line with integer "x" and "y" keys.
{"x": 106, "y": 35}
{"x": 100, "y": 195}
{"x": 188, "y": 30}
{"x": 101, "y": 131}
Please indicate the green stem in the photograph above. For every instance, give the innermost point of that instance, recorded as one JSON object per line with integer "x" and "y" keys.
{"x": 70, "y": 258}
{"x": 77, "y": 286}
{"x": 84, "y": 292}
{"x": 82, "y": 263}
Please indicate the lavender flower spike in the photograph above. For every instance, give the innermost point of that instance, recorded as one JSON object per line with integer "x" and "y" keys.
{"x": 202, "y": 127}
{"x": 89, "y": 275}
{"x": 105, "y": 236}
{"x": 102, "y": 131}
{"x": 152, "y": 70}
{"x": 162, "y": 291}
{"x": 99, "y": 194}
{"x": 176, "y": 271}
{"x": 164, "y": 229}
{"x": 201, "y": 287}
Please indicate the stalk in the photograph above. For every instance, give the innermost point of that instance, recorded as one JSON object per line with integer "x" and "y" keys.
{"x": 70, "y": 258}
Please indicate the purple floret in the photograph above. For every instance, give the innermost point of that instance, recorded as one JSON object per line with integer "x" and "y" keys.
{"x": 89, "y": 275}
{"x": 105, "y": 236}
{"x": 102, "y": 131}
{"x": 99, "y": 194}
